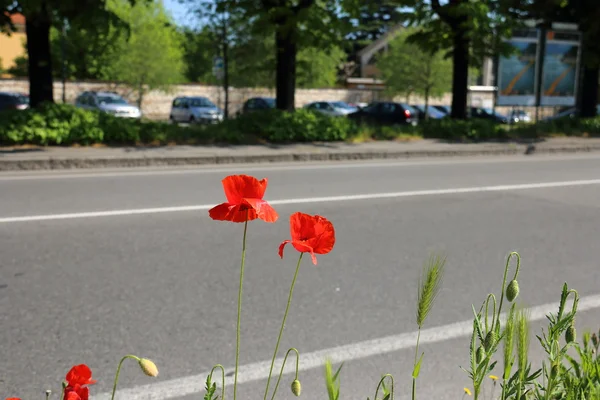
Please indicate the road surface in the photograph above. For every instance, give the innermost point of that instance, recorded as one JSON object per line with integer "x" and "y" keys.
{"x": 98, "y": 264}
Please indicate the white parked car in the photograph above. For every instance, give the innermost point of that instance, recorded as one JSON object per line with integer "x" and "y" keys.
{"x": 332, "y": 108}
{"x": 195, "y": 110}
{"x": 108, "y": 102}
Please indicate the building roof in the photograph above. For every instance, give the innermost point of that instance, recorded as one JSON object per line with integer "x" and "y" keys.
{"x": 381, "y": 41}
{"x": 17, "y": 19}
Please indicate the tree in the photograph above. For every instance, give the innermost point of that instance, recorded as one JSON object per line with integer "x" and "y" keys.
{"x": 407, "y": 69}
{"x": 471, "y": 30}
{"x": 374, "y": 19}
{"x": 151, "y": 57}
{"x": 294, "y": 24}
{"x": 40, "y": 17}
{"x": 318, "y": 68}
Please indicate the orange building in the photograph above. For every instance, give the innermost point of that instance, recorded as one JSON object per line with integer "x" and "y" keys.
{"x": 11, "y": 47}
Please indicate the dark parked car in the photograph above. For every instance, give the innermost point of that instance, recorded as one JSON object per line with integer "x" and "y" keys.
{"x": 13, "y": 101}
{"x": 258, "y": 104}
{"x": 445, "y": 109}
{"x": 386, "y": 113}
{"x": 432, "y": 112}
{"x": 489, "y": 114}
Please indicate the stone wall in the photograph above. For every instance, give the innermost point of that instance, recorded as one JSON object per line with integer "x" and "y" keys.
{"x": 157, "y": 104}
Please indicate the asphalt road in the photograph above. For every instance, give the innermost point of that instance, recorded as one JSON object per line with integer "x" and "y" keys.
{"x": 93, "y": 279}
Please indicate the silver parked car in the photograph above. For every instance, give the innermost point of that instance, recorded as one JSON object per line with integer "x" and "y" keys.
{"x": 108, "y": 102}
{"x": 332, "y": 108}
{"x": 195, "y": 110}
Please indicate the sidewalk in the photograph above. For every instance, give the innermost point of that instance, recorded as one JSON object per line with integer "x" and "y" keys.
{"x": 35, "y": 158}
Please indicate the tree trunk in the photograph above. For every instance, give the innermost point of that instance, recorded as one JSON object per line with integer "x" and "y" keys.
{"x": 285, "y": 79}
{"x": 225, "y": 68}
{"x": 460, "y": 73}
{"x": 37, "y": 29}
{"x": 589, "y": 91}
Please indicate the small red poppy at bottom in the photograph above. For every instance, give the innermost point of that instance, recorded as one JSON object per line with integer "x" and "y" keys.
{"x": 79, "y": 375}
{"x": 13, "y": 398}
{"x": 311, "y": 234}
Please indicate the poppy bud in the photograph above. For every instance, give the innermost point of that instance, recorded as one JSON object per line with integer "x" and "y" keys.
{"x": 512, "y": 291}
{"x": 595, "y": 340}
{"x": 479, "y": 355}
{"x": 554, "y": 371}
{"x": 490, "y": 341}
{"x": 570, "y": 334}
{"x": 148, "y": 367}
{"x": 296, "y": 387}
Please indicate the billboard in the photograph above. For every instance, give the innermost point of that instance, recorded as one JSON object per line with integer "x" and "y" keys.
{"x": 560, "y": 70}
{"x": 518, "y": 78}
{"x": 517, "y": 74}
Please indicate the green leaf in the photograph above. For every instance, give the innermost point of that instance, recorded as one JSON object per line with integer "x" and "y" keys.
{"x": 417, "y": 368}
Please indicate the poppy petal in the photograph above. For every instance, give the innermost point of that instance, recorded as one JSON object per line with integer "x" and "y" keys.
{"x": 238, "y": 187}
{"x": 79, "y": 375}
{"x": 282, "y": 245}
{"x": 72, "y": 396}
{"x": 263, "y": 209}
{"x": 232, "y": 212}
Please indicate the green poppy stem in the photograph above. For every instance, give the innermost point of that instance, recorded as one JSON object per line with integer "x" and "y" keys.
{"x": 287, "y": 308}
{"x": 239, "y": 311}
{"x": 283, "y": 366}
{"x": 119, "y": 372}
{"x": 222, "y": 378}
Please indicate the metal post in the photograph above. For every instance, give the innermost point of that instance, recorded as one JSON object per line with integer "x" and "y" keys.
{"x": 63, "y": 44}
{"x": 540, "y": 69}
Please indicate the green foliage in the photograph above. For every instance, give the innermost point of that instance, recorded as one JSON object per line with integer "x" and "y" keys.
{"x": 332, "y": 380}
{"x": 279, "y": 126}
{"x": 151, "y": 57}
{"x": 408, "y": 68}
{"x": 318, "y": 68}
{"x": 62, "y": 124}
{"x": 210, "y": 388}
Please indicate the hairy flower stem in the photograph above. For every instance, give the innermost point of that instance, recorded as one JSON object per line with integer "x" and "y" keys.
{"x": 239, "y": 311}
{"x": 119, "y": 372}
{"x": 414, "y": 378}
{"x": 514, "y": 253}
{"x": 287, "y": 308}
{"x": 222, "y": 378}
{"x": 283, "y": 366}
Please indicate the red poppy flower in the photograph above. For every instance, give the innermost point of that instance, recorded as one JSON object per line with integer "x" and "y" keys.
{"x": 80, "y": 375}
{"x": 13, "y": 398}
{"x": 77, "y": 392}
{"x": 244, "y": 201}
{"x": 310, "y": 234}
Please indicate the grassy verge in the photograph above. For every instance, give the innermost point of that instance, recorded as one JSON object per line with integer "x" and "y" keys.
{"x": 65, "y": 125}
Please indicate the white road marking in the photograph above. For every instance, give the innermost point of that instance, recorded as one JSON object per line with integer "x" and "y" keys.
{"x": 414, "y": 193}
{"x": 297, "y": 166}
{"x": 258, "y": 371}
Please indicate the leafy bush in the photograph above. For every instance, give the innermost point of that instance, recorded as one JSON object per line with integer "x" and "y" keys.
{"x": 61, "y": 124}
{"x": 280, "y": 127}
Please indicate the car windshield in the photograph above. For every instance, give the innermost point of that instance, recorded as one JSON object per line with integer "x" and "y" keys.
{"x": 342, "y": 105}
{"x": 270, "y": 102}
{"x": 202, "y": 102}
{"x": 111, "y": 100}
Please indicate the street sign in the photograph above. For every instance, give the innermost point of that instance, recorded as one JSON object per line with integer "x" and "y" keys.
{"x": 218, "y": 67}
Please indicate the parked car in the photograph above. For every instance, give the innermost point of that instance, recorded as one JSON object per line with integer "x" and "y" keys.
{"x": 444, "y": 109}
{"x": 13, "y": 101}
{"x": 386, "y": 113}
{"x": 331, "y": 108}
{"x": 489, "y": 114}
{"x": 568, "y": 113}
{"x": 432, "y": 112}
{"x": 258, "y": 104}
{"x": 195, "y": 110}
{"x": 108, "y": 102}
{"x": 517, "y": 116}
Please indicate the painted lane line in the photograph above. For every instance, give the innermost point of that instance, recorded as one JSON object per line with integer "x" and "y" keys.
{"x": 308, "y": 200}
{"x": 239, "y": 168}
{"x": 258, "y": 371}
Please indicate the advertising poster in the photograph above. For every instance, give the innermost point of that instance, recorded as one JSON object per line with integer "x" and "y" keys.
{"x": 559, "y": 77}
{"x": 517, "y": 74}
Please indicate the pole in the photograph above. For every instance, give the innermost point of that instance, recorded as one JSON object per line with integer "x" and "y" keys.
{"x": 225, "y": 65}
{"x": 540, "y": 69}
{"x": 63, "y": 50}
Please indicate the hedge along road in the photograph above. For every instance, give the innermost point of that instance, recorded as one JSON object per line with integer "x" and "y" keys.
{"x": 163, "y": 285}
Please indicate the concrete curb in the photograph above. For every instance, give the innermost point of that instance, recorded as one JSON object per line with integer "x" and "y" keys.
{"x": 144, "y": 161}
